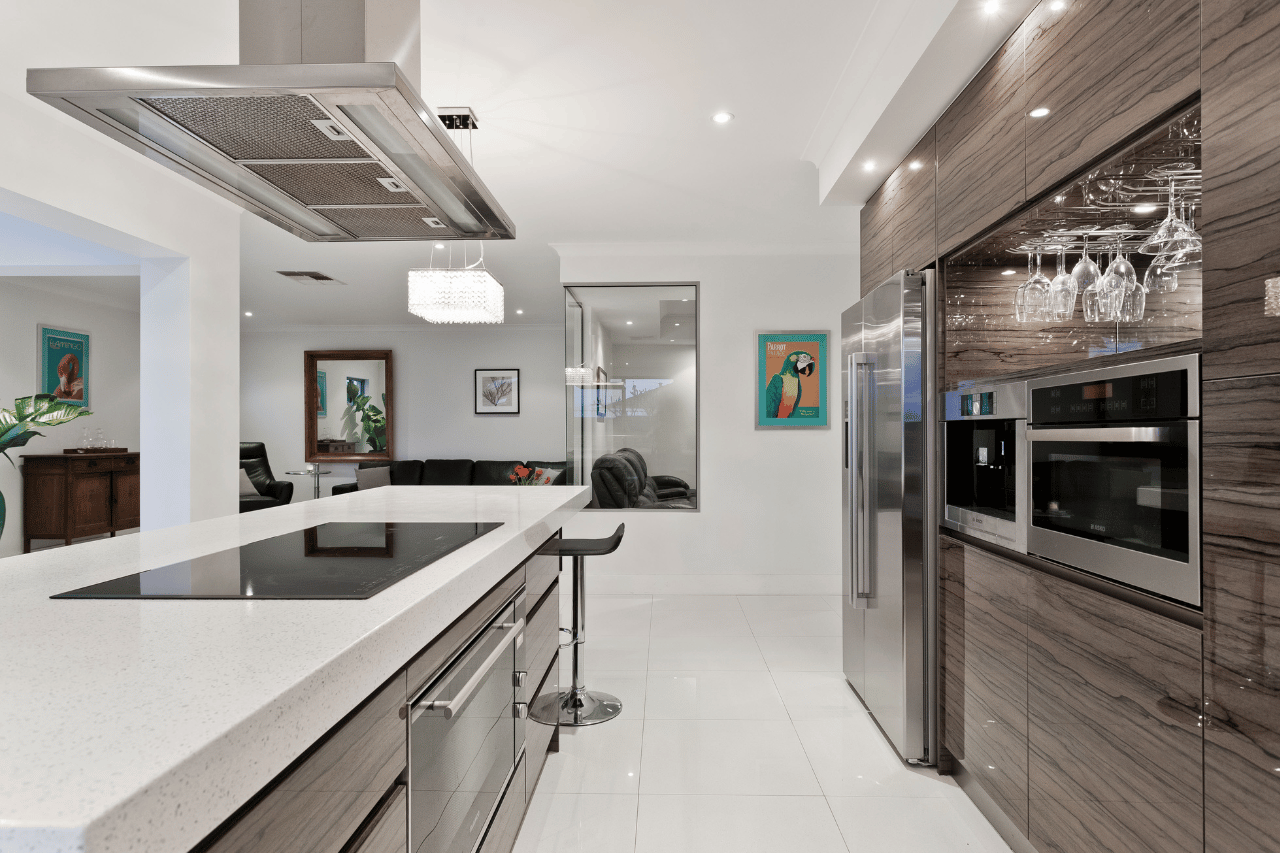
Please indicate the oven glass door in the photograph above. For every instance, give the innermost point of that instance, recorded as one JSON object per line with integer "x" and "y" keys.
{"x": 1121, "y": 501}
{"x": 465, "y": 739}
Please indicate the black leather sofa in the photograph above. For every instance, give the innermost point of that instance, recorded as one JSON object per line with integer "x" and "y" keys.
{"x": 621, "y": 481}
{"x": 454, "y": 472}
{"x": 271, "y": 492}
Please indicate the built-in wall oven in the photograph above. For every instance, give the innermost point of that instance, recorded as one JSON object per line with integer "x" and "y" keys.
{"x": 984, "y": 450}
{"x": 1115, "y": 474}
{"x": 466, "y": 737}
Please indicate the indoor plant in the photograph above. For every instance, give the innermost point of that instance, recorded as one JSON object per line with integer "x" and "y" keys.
{"x": 18, "y": 425}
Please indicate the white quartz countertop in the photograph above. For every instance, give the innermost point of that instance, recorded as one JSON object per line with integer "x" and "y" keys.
{"x": 140, "y": 725}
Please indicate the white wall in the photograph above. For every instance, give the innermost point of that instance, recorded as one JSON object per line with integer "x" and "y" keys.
{"x": 112, "y": 379}
{"x": 769, "y": 501}
{"x": 434, "y": 392}
{"x": 56, "y": 171}
{"x": 669, "y": 441}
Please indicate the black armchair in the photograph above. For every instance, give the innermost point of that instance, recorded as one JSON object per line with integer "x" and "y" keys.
{"x": 271, "y": 492}
{"x": 620, "y": 481}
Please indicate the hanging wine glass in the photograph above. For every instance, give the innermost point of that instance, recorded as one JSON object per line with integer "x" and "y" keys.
{"x": 1173, "y": 234}
{"x": 1133, "y": 304}
{"x": 1159, "y": 278}
{"x": 1021, "y": 311}
{"x": 1037, "y": 300}
{"x": 1062, "y": 291}
{"x": 1086, "y": 272}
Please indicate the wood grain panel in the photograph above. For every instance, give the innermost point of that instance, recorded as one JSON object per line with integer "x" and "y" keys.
{"x": 1241, "y": 222}
{"x": 320, "y": 803}
{"x": 985, "y": 680}
{"x": 389, "y": 830}
{"x": 951, "y": 653}
{"x": 506, "y": 823}
{"x": 1116, "y": 753}
{"x": 89, "y": 504}
{"x": 914, "y": 232}
{"x": 1242, "y": 614}
{"x": 542, "y": 570}
{"x": 1103, "y": 69}
{"x": 427, "y": 663}
{"x": 982, "y": 150}
{"x": 876, "y": 235}
{"x": 984, "y": 341}
{"x": 126, "y": 503}
{"x": 542, "y": 634}
{"x": 539, "y": 737}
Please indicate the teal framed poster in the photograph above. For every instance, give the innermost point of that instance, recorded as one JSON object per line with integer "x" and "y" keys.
{"x": 791, "y": 380}
{"x": 63, "y": 362}
{"x": 322, "y": 386}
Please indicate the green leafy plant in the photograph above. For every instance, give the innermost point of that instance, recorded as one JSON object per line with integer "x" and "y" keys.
{"x": 362, "y": 418}
{"x": 18, "y": 425}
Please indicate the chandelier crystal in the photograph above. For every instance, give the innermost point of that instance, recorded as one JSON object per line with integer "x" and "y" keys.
{"x": 447, "y": 295}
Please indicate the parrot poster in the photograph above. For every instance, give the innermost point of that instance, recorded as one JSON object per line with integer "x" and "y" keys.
{"x": 792, "y": 379}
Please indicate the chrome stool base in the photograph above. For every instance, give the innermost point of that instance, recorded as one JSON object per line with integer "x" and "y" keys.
{"x": 575, "y": 708}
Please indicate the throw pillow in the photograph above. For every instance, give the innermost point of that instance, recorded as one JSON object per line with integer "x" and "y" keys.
{"x": 372, "y": 478}
{"x": 247, "y": 488}
{"x": 525, "y": 476}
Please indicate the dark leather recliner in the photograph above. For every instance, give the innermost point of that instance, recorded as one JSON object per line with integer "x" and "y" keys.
{"x": 271, "y": 492}
{"x": 620, "y": 481}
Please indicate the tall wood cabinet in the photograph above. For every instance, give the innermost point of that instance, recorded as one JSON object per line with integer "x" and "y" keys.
{"x": 68, "y": 496}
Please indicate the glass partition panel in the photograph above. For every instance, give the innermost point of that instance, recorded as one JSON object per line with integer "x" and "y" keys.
{"x": 631, "y": 376}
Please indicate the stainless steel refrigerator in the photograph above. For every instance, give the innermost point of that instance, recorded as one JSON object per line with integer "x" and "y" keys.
{"x": 890, "y": 532}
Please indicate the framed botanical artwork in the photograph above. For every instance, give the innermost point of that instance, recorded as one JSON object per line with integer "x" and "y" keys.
{"x": 498, "y": 392}
{"x": 63, "y": 364}
{"x": 322, "y": 388}
{"x": 791, "y": 380}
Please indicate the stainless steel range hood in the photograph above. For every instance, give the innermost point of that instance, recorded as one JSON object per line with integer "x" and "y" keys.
{"x": 333, "y": 152}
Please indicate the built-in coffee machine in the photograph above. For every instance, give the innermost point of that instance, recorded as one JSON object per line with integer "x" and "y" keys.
{"x": 984, "y": 446}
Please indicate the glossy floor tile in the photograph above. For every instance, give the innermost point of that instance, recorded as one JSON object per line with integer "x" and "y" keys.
{"x": 737, "y": 734}
{"x": 724, "y": 824}
{"x": 716, "y": 695}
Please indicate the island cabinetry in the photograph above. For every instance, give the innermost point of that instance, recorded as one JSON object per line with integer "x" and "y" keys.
{"x": 877, "y": 238}
{"x": 1098, "y": 93}
{"x": 69, "y": 496}
{"x": 320, "y": 803}
{"x": 984, "y": 605}
{"x": 542, "y": 644}
{"x": 385, "y": 832}
{"x": 1241, "y": 222}
{"x": 1116, "y": 751}
{"x": 981, "y": 150}
{"x": 1242, "y": 614}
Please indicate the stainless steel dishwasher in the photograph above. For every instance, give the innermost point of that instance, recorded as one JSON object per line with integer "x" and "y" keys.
{"x": 466, "y": 738}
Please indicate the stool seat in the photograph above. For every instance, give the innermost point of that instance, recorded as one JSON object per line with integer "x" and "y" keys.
{"x": 591, "y": 547}
{"x": 578, "y": 706}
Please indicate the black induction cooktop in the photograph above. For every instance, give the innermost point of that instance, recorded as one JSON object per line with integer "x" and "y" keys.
{"x": 352, "y": 560}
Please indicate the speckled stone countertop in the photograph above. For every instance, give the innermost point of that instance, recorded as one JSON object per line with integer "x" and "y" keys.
{"x": 141, "y": 725}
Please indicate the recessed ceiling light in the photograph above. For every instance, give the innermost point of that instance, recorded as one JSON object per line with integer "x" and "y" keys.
{"x": 1009, "y": 272}
{"x": 916, "y": 165}
{"x": 1057, "y": 5}
{"x": 439, "y": 245}
{"x": 519, "y": 310}
{"x": 628, "y": 322}
{"x": 722, "y": 118}
{"x": 1144, "y": 208}
{"x": 684, "y": 300}
{"x": 991, "y": 7}
{"x": 673, "y": 340}
{"x": 677, "y": 324}
{"x": 869, "y": 165}
{"x": 248, "y": 313}
{"x": 1039, "y": 112}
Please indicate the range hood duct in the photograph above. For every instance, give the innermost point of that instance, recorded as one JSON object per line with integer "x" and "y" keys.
{"x": 319, "y": 130}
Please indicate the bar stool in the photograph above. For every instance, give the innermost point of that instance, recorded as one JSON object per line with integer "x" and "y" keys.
{"x": 579, "y": 706}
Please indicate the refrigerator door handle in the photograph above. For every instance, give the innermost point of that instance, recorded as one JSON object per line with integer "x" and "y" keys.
{"x": 861, "y": 434}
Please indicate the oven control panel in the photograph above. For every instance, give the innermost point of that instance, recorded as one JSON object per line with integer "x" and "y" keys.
{"x": 1141, "y": 397}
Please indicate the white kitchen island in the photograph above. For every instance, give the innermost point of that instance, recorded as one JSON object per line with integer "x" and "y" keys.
{"x": 141, "y": 725}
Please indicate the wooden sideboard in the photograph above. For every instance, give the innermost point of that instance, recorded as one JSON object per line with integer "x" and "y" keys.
{"x": 68, "y": 496}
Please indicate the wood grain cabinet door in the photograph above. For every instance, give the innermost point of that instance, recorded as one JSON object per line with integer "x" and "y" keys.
{"x": 984, "y": 681}
{"x": 126, "y": 498}
{"x": 876, "y": 236}
{"x": 1242, "y": 615}
{"x": 981, "y": 150}
{"x": 1116, "y": 752}
{"x": 914, "y": 238}
{"x": 1241, "y": 222}
{"x": 1103, "y": 69}
{"x": 89, "y": 503}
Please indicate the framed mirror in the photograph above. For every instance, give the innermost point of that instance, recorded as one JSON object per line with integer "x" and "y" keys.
{"x": 349, "y": 405}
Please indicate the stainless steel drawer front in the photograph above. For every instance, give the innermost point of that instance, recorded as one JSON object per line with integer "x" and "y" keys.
{"x": 465, "y": 737}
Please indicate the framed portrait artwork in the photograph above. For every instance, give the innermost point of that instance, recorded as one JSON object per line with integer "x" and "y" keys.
{"x": 791, "y": 380}
{"x": 63, "y": 364}
{"x": 322, "y": 389}
{"x": 498, "y": 392}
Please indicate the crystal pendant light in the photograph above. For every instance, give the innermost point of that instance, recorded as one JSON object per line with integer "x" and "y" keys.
{"x": 466, "y": 294}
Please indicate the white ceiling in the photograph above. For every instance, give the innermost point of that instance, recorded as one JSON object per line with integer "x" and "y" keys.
{"x": 633, "y": 315}
{"x": 595, "y": 127}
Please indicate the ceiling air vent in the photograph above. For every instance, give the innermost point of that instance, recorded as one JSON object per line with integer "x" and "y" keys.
{"x": 308, "y": 277}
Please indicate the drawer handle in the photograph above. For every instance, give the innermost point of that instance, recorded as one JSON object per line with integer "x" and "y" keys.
{"x": 520, "y": 710}
{"x": 448, "y": 708}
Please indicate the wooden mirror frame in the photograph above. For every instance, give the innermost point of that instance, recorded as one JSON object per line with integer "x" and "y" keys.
{"x": 310, "y": 364}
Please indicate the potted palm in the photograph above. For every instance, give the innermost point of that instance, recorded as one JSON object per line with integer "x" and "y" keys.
{"x": 18, "y": 425}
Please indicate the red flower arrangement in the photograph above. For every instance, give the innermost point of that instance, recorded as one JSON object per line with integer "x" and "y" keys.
{"x": 523, "y": 476}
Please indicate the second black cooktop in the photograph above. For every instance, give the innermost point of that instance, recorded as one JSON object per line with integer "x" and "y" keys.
{"x": 353, "y": 560}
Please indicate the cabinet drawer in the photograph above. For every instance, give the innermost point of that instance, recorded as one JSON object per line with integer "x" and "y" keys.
{"x": 542, "y": 570}
{"x": 319, "y": 803}
{"x": 388, "y": 832}
{"x": 429, "y": 661}
{"x": 80, "y": 466}
{"x": 506, "y": 823}
{"x": 542, "y": 633}
{"x": 538, "y": 737}
{"x": 124, "y": 463}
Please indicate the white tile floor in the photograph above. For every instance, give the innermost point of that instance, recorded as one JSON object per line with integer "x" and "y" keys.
{"x": 738, "y": 734}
